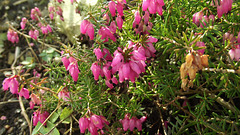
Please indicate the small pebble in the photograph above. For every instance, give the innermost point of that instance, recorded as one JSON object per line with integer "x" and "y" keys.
{"x": 10, "y": 130}
{"x": 6, "y": 126}
{"x": 17, "y": 110}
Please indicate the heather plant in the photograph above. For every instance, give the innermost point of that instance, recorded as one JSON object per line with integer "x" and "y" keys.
{"x": 138, "y": 67}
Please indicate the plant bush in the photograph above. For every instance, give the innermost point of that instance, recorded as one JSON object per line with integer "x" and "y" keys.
{"x": 138, "y": 67}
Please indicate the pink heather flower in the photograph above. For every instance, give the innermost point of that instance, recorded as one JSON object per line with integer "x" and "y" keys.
{"x": 146, "y": 17}
{"x": 83, "y": 124}
{"x": 87, "y": 27}
{"x": 105, "y": 32}
{"x": 113, "y": 27}
{"x": 235, "y": 53}
{"x": 107, "y": 54}
{"x": 106, "y": 17}
{"x": 60, "y": 1}
{"x": 238, "y": 38}
{"x": 120, "y": 8}
{"x": 73, "y": 68}
{"x": 34, "y": 34}
{"x": 92, "y": 129}
{"x": 197, "y": 17}
{"x": 31, "y": 104}
{"x": 64, "y": 95}
{"x": 152, "y": 7}
{"x": 23, "y": 23}
{"x": 24, "y": 92}
{"x": 96, "y": 70}
{"x": 224, "y": 7}
{"x": 137, "y": 19}
{"x": 119, "y": 22}
{"x": 12, "y": 84}
{"x": 66, "y": 62}
{"x": 72, "y": 1}
{"x": 12, "y": 36}
{"x": 98, "y": 53}
{"x": 132, "y": 123}
{"x": 201, "y": 44}
{"x": 35, "y": 13}
{"x": 97, "y": 121}
{"x": 35, "y": 99}
{"x": 145, "y": 5}
{"x": 46, "y": 29}
{"x": 39, "y": 117}
{"x": 112, "y": 8}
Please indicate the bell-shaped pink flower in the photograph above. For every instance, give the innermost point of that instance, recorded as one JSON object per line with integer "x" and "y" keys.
{"x": 238, "y": 38}
{"x": 23, "y": 23}
{"x": 35, "y": 99}
{"x": 34, "y": 34}
{"x": 107, "y": 54}
{"x": 152, "y": 7}
{"x": 237, "y": 54}
{"x": 137, "y": 19}
{"x": 98, "y": 53}
{"x": 113, "y": 27}
{"x": 126, "y": 70}
{"x": 84, "y": 26}
{"x": 125, "y": 122}
{"x": 64, "y": 95}
{"x": 106, "y": 71}
{"x": 24, "y": 92}
{"x": 66, "y": 62}
{"x": 12, "y": 36}
{"x": 132, "y": 123}
{"x": 39, "y": 117}
{"x": 35, "y": 13}
{"x": 145, "y": 5}
{"x": 119, "y": 8}
{"x": 119, "y": 22}
{"x": 92, "y": 129}
{"x": 197, "y": 17}
{"x": 73, "y": 68}
{"x": 112, "y": 8}
{"x": 96, "y": 70}
{"x": 97, "y": 121}
{"x": 12, "y": 84}
{"x": 83, "y": 124}
{"x": 134, "y": 66}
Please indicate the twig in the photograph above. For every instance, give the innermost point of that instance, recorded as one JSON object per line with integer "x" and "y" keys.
{"x": 6, "y": 102}
{"x": 25, "y": 115}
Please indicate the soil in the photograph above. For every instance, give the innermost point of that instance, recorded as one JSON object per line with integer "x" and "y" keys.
{"x": 12, "y": 121}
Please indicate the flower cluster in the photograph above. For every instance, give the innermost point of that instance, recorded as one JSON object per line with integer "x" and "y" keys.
{"x": 72, "y": 66}
{"x": 34, "y": 34}
{"x": 200, "y": 19}
{"x": 235, "y": 51}
{"x": 12, "y": 84}
{"x": 86, "y": 27}
{"x": 23, "y": 23}
{"x": 35, "y": 13}
{"x": 34, "y": 100}
{"x": 153, "y": 6}
{"x": 64, "y": 94}
{"x": 39, "y": 116}
{"x": 224, "y": 7}
{"x": 12, "y": 36}
{"x": 93, "y": 124}
{"x": 46, "y": 29}
{"x": 130, "y": 124}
